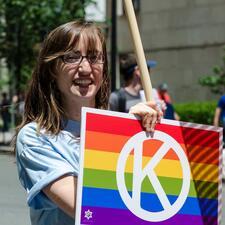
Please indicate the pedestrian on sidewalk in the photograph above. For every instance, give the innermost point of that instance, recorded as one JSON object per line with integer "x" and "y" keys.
{"x": 5, "y": 114}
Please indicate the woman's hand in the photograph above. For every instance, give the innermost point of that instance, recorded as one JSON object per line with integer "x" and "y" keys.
{"x": 149, "y": 112}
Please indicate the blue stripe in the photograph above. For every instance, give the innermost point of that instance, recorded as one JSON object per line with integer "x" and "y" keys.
{"x": 106, "y": 198}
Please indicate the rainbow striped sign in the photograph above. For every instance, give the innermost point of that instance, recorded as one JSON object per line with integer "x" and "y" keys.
{"x": 130, "y": 177}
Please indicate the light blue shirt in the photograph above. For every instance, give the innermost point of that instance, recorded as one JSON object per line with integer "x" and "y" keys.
{"x": 41, "y": 159}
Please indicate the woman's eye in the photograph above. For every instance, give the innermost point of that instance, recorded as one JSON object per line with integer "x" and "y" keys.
{"x": 76, "y": 57}
{"x": 93, "y": 57}
{"x": 72, "y": 57}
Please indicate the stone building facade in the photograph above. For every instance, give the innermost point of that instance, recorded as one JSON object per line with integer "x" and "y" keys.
{"x": 185, "y": 37}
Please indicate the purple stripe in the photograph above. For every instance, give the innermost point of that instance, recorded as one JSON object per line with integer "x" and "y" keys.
{"x": 103, "y": 216}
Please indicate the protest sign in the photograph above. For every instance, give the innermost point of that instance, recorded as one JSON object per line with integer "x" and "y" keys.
{"x": 131, "y": 177}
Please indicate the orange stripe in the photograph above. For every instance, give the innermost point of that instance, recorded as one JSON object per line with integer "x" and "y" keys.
{"x": 104, "y": 141}
{"x": 114, "y": 143}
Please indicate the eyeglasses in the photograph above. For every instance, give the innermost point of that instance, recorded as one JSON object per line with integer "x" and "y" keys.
{"x": 76, "y": 58}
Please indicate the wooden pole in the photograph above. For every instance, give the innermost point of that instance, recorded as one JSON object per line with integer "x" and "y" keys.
{"x": 141, "y": 60}
{"x": 113, "y": 45}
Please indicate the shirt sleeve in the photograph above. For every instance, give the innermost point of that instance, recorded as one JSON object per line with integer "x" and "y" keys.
{"x": 221, "y": 103}
{"x": 114, "y": 102}
{"x": 38, "y": 165}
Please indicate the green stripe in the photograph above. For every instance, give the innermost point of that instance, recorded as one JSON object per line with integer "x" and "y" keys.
{"x": 172, "y": 186}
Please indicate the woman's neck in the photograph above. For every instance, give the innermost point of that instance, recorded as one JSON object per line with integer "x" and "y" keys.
{"x": 73, "y": 108}
{"x": 133, "y": 89}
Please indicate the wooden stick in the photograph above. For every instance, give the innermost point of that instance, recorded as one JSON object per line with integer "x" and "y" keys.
{"x": 141, "y": 60}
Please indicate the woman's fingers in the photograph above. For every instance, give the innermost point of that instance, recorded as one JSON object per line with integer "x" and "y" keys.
{"x": 150, "y": 121}
{"x": 149, "y": 113}
{"x": 158, "y": 107}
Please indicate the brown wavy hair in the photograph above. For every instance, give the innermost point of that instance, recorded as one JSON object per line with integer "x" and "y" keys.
{"x": 43, "y": 102}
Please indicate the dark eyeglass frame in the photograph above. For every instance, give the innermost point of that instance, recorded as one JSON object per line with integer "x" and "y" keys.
{"x": 81, "y": 57}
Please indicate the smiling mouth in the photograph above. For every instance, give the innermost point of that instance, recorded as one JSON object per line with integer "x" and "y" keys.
{"x": 83, "y": 83}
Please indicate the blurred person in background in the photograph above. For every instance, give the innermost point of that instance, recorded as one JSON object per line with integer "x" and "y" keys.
{"x": 219, "y": 120}
{"x": 5, "y": 114}
{"x": 17, "y": 108}
{"x": 130, "y": 93}
{"x": 219, "y": 116}
{"x": 164, "y": 95}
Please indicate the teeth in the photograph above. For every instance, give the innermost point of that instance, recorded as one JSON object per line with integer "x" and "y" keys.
{"x": 83, "y": 81}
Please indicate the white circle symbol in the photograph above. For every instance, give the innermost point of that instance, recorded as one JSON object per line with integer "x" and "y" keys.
{"x": 133, "y": 203}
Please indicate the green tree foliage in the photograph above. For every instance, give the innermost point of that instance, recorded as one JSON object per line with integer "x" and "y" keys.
{"x": 215, "y": 81}
{"x": 24, "y": 24}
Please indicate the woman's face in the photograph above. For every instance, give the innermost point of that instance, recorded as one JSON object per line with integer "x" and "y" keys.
{"x": 80, "y": 80}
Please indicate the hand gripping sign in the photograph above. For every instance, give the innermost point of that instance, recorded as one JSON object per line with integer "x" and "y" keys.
{"x": 128, "y": 177}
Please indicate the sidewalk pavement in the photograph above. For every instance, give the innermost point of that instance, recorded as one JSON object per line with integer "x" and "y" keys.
{"x": 5, "y": 141}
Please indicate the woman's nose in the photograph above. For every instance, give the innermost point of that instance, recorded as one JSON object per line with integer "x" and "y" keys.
{"x": 85, "y": 66}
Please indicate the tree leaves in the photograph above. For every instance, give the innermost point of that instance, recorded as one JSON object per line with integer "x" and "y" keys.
{"x": 24, "y": 24}
{"x": 215, "y": 81}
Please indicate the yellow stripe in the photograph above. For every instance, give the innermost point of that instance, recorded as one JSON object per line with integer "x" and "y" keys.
{"x": 166, "y": 167}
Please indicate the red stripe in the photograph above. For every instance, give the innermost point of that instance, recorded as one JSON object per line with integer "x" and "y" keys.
{"x": 112, "y": 124}
{"x": 129, "y": 127}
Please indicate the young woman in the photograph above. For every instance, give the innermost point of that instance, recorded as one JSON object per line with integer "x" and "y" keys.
{"x": 71, "y": 72}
